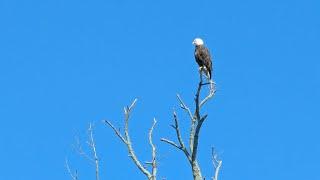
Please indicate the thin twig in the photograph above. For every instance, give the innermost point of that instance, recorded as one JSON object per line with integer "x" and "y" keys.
{"x": 171, "y": 143}
{"x": 192, "y": 118}
{"x": 210, "y": 95}
{"x": 153, "y": 148}
{"x": 92, "y": 145}
{"x": 180, "y": 140}
{"x": 74, "y": 176}
{"x": 81, "y": 152}
{"x": 181, "y": 145}
{"x": 176, "y": 127}
{"x": 216, "y": 164}
{"x": 185, "y": 107}
{"x": 117, "y": 132}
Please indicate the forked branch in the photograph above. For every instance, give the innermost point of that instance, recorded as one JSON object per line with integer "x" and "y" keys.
{"x": 216, "y": 164}
{"x": 127, "y": 141}
{"x": 73, "y": 175}
{"x": 181, "y": 145}
{"x": 196, "y": 123}
{"x": 92, "y": 156}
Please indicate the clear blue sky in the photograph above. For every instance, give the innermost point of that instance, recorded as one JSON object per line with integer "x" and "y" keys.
{"x": 64, "y": 64}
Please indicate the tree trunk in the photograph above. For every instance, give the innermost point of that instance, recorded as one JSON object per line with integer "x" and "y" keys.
{"x": 196, "y": 171}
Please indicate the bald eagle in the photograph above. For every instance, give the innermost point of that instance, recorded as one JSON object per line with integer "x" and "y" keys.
{"x": 203, "y": 57}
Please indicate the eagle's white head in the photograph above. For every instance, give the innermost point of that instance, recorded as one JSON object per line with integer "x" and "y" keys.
{"x": 197, "y": 42}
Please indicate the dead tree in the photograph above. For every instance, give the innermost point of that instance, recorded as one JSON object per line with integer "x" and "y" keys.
{"x": 190, "y": 150}
{"x": 151, "y": 175}
{"x": 196, "y": 121}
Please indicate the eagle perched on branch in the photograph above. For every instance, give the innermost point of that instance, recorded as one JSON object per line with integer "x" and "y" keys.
{"x": 203, "y": 57}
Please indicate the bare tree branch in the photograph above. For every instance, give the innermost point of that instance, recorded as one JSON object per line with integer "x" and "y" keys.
{"x": 185, "y": 107}
{"x": 81, "y": 152}
{"x": 127, "y": 141}
{"x": 132, "y": 154}
{"x": 212, "y": 91}
{"x": 117, "y": 132}
{"x": 195, "y": 127}
{"x": 74, "y": 176}
{"x": 153, "y": 148}
{"x": 196, "y": 138}
{"x": 216, "y": 164}
{"x": 192, "y": 118}
{"x": 92, "y": 145}
{"x": 181, "y": 145}
{"x": 170, "y": 142}
{"x": 176, "y": 127}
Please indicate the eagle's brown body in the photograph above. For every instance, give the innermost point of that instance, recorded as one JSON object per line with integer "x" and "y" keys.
{"x": 203, "y": 58}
